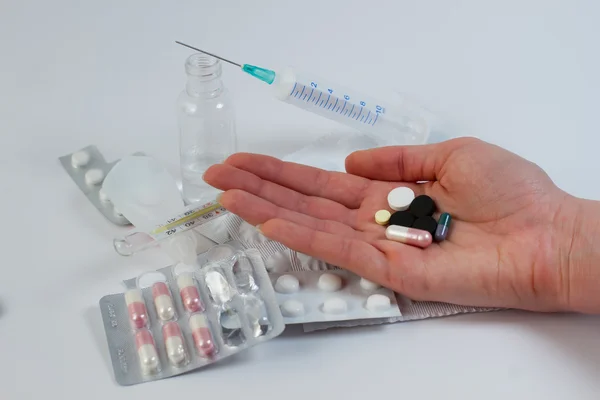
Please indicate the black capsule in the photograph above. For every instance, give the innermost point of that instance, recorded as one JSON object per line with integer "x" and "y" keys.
{"x": 422, "y": 206}
{"x": 402, "y": 218}
{"x": 426, "y": 223}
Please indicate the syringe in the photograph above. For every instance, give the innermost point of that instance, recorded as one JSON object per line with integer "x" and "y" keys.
{"x": 332, "y": 101}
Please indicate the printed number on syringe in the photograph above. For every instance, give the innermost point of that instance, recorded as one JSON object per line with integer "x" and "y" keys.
{"x": 378, "y": 108}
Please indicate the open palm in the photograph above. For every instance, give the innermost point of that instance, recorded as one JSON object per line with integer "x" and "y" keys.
{"x": 499, "y": 251}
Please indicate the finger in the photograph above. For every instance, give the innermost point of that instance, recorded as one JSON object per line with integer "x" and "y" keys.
{"x": 256, "y": 210}
{"x": 227, "y": 177}
{"x": 340, "y": 187}
{"x": 404, "y": 163}
{"x": 409, "y": 273}
{"x": 342, "y": 251}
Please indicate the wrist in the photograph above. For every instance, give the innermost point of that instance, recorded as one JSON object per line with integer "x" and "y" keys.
{"x": 579, "y": 226}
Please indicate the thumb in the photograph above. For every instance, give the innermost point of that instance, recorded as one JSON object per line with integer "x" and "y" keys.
{"x": 404, "y": 163}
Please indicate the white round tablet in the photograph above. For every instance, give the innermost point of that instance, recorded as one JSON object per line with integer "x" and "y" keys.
{"x": 94, "y": 176}
{"x": 400, "y": 198}
{"x": 287, "y": 284}
{"x": 368, "y": 285}
{"x": 103, "y": 196}
{"x": 329, "y": 282}
{"x": 80, "y": 159}
{"x": 292, "y": 308}
{"x": 335, "y": 305}
{"x": 378, "y": 302}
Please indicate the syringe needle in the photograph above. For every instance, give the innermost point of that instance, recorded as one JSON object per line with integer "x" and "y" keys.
{"x": 210, "y": 54}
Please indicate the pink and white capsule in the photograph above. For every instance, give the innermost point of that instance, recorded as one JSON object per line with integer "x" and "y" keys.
{"x": 201, "y": 334}
{"x": 189, "y": 293}
{"x": 174, "y": 343}
{"x": 163, "y": 301}
{"x": 146, "y": 350}
{"x": 411, "y": 236}
{"x": 138, "y": 314}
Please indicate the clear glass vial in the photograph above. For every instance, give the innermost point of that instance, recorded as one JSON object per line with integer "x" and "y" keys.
{"x": 206, "y": 120}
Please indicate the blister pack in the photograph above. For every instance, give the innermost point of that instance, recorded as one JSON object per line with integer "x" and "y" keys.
{"x": 181, "y": 318}
{"x": 334, "y": 295}
{"x": 87, "y": 168}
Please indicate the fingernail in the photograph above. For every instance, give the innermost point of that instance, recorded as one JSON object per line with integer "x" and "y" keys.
{"x": 258, "y": 228}
{"x": 218, "y": 199}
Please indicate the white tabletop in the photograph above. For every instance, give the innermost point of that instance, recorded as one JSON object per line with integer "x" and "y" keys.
{"x": 522, "y": 74}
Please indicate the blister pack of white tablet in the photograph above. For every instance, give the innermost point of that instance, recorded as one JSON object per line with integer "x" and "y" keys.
{"x": 335, "y": 295}
{"x": 87, "y": 168}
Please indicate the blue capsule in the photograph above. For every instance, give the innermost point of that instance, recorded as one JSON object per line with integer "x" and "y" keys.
{"x": 443, "y": 227}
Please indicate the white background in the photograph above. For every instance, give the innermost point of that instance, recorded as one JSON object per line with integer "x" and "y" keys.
{"x": 522, "y": 74}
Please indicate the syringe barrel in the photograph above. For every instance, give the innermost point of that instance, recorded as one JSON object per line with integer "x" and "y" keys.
{"x": 392, "y": 124}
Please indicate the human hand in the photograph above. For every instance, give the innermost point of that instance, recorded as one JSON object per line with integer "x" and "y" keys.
{"x": 508, "y": 243}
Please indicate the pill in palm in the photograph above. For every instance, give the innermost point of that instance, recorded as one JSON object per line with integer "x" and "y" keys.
{"x": 402, "y": 218}
{"x": 410, "y": 236}
{"x": 382, "y": 217}
{"x": 330, "y": 282}
{"x": 442, "y": 228}
{"x": 426, "y": 223}
{"x": 400, "y": 198}
{"x": 422, "y": 206}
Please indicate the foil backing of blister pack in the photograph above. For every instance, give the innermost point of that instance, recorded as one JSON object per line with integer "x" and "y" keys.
{"x": 236, "y": 309}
